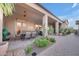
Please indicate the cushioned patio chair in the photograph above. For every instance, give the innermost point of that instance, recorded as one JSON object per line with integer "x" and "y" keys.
{"x": 34, "y": 34}
{"x": 22, "y": 36}
{"x": 28, "y": 35}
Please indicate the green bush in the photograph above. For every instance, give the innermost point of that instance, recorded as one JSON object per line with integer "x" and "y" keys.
{"x": 52, "y": 40}
{"x": 66, "y": 31}
{"x": 28, "y": 49}
{"x": 51, "y": 30}
{"x": 41, "y": 42}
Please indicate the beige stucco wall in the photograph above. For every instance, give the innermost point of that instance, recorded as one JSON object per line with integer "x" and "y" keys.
{"x": 9, "y": 22}
{"x": 64, "y": 25}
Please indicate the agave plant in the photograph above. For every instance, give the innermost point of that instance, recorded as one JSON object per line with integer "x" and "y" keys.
{"x": 7, "y": 8}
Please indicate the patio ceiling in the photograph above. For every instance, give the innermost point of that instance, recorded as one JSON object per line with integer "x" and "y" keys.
{"x": 28, "y": 13}
{"x": 51, "y": 21}
{"x": 25, "y": 12}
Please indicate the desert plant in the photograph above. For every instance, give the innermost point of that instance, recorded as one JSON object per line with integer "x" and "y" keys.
{"x": 41, "y": 42}
{"x": 50, "y": 30}
{"x": 66, "y": 31}
{"x": 52, "y": 40}
{"x": 71, "y": 30}
{"x": 61, "y": 30}
{"x": 28, "y": 49}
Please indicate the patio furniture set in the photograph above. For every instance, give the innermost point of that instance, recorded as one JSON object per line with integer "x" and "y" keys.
{"x": 28, "y": 35}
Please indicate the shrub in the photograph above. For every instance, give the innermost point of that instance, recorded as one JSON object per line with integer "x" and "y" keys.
{"x": 28, "y": 49}
{"x": 52, "y": 40}
{"x": 41, "y": 42}
{"x": 50, "y": 30}
{"x": 61, "y": 30}
{"x": 66, "y": 31}
{"x": 44, "y": 41}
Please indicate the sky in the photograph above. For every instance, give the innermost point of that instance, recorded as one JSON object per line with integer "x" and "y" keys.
{"x": 69, "y": 11}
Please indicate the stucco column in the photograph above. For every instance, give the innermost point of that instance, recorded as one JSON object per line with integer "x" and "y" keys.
{"x": 57, "y": 27}
{"x": 1, "y": 24}
{"x": 45, "y": 25}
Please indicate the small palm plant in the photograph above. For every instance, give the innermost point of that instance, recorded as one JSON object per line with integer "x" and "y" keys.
{"x": 7, "y": 8}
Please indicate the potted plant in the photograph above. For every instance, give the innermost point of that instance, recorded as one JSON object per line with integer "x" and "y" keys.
{"x": 6, "y": 34}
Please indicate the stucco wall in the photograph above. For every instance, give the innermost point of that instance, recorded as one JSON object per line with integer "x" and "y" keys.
{"x": 10, "y": 24}
{"x": 64, "y": 25}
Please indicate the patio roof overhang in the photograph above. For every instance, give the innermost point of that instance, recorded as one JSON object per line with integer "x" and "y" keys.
{"x": 35, "y": 14}
{"x": 41, "y": 9}
{"x": 25, "y": 12}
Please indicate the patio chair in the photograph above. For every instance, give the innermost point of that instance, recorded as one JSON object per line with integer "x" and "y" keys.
{"x": 28, "y": 35}
{"x": 40, "y": 33}
{"x": 34, "y": 34}
{"x": 22, "y": 36}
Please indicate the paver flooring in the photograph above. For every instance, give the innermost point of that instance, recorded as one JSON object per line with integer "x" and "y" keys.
{"x": 64, "y": 46}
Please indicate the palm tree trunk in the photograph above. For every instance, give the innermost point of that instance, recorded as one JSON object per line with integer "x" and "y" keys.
{"x": 1, "y": 24}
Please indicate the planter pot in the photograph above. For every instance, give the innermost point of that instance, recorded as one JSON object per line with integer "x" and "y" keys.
{"x": 3, "y": 48}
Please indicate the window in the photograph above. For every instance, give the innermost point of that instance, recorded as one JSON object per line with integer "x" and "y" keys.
{"x": 24, "y": 25}
{"x": 19, "y": 24}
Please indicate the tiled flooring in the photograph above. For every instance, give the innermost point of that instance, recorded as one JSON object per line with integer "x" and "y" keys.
{"x": 19, "y": 44}
{"x": 16, "y": 48}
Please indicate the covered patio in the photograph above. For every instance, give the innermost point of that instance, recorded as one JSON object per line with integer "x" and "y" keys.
{"x": 27, "y": 19}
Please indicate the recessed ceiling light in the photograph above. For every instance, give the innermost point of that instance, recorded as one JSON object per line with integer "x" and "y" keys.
{"x": 24, "y": 11}
{"x": 24, "y": 15}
